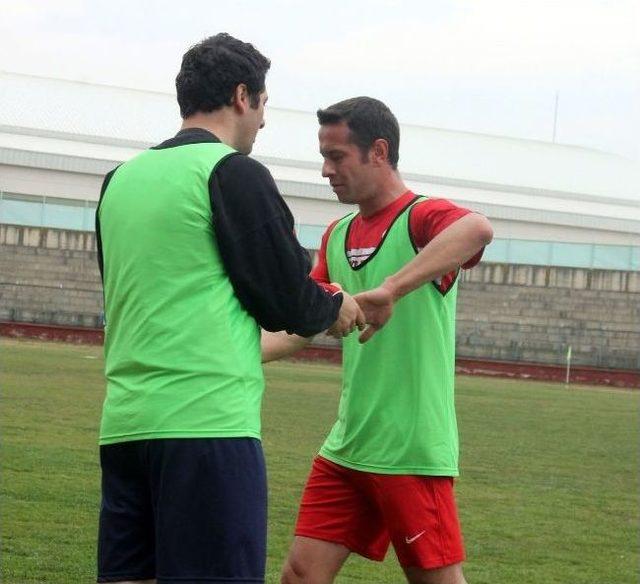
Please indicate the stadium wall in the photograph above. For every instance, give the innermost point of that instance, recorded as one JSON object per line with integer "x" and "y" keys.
{"x": 505, "y": 312}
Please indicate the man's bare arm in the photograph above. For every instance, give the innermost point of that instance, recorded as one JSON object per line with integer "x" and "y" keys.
{"x": 444, "y": 253}
{"x": 281, "y": 344}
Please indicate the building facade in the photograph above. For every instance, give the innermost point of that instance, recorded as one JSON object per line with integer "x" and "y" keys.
{"x": 562, "y": 271}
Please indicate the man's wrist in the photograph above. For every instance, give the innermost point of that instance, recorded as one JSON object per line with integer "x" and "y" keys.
{"x": 392, "y": 287}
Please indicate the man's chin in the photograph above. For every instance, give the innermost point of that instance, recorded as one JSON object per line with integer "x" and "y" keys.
{"x": 343, "y": 196}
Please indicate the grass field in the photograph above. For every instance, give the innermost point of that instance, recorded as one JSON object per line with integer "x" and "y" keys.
{"x": 548, "y": 492}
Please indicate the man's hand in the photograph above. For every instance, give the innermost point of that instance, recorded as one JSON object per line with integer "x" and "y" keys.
{"x": 377, "y": 305}
{"x": 349, "y": 317}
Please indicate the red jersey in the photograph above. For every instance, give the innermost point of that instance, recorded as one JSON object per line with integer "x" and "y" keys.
{"x": 428, "y": 218}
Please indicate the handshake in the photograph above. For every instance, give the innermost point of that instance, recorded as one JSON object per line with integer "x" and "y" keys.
{"x": 367, "y": 311}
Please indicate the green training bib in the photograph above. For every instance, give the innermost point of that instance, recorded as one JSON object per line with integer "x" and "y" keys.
{"x": 182, "y": 356}
{"x": 396, "y": 412}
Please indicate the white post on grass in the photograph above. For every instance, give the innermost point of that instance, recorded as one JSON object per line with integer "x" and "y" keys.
{"x": 566, "y": 381}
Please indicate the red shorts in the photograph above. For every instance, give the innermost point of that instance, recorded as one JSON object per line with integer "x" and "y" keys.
{"x": 366, "y": 511}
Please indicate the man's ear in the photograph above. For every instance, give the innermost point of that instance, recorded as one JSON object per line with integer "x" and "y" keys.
{"x": 380, "y": 151}
{"x": 240, "y": 100}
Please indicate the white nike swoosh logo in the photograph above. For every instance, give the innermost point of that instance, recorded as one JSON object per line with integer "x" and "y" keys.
{"x": 412, "y": 539}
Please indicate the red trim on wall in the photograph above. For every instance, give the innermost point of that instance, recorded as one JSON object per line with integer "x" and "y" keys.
{"x": 509, "y": 369}
{"x": 555, "y": 373}
{"x": 515, "y": 370}
{"x": 49, "y": 332}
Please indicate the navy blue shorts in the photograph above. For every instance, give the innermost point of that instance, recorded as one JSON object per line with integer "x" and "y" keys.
{"x": 183, "y": 510}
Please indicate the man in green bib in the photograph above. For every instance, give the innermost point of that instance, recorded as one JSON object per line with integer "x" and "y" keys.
{"x": 197, "y": 252}
{"x": 385, "y": 472}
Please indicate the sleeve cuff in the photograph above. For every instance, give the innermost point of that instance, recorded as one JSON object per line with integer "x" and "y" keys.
{"x": 330, "y": 288}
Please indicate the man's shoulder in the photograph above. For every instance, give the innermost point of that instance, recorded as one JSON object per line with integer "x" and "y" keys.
{"x": 243, "y": 164}
{"x": 248, "y": 186}
{"x": 242, "y": 173}
{"x": 432, "y": 202}
{"x": 427, "y": 207}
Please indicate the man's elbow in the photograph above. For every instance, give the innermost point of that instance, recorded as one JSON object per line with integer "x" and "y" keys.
{"x": 483, "y": 230}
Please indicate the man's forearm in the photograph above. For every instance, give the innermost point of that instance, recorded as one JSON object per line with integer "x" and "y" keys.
{"x": 445, "y": 253}
{"x": 281, "y": 344}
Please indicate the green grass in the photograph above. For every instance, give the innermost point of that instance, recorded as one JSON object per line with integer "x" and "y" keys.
{"x": 548, "y": 492}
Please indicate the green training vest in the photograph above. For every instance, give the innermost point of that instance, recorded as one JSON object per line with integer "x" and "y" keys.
{"x": 396, "y": 412}
{"x": 182, "y": 356}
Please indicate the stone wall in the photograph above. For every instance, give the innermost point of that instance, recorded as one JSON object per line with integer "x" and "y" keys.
{"x": 505, "y": 312}
{"x": 534, "y": 313}
{"x": 49, "y": 276}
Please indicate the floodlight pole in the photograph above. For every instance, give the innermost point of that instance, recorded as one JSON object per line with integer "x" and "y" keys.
{"x": 555, "y": 117}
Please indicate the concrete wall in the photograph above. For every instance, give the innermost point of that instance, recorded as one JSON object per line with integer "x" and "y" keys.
{"x": 507, "y": 312}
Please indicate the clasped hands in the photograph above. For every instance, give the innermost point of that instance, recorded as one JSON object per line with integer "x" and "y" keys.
{"x": 367, "y": 311}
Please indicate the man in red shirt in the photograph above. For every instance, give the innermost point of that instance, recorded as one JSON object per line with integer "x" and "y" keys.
{"x": 385, "y": 473}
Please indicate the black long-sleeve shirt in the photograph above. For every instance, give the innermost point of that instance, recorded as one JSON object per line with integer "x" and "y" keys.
{"x": 266, "y": 265}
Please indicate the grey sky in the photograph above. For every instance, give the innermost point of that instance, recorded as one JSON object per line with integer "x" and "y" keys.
{"x": 490, "y": 66}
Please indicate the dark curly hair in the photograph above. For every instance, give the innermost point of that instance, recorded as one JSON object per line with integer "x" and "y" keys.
{"x": 211, "y": 71}
{"x": 368, "y": 119}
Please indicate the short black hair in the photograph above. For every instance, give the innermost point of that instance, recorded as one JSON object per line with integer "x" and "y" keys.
{"x": 368, "y": 119}
{"x": 211, "y": 71}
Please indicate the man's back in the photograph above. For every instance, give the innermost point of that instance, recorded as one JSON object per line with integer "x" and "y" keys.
{"x": 182, "y": 355}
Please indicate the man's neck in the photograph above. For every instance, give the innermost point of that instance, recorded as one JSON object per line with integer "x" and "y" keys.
{"x": 215, "y": 122}
{"x": 388, "y": 191}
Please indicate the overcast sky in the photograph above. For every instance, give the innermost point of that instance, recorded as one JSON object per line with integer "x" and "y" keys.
{"x": 490, "y": 66}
